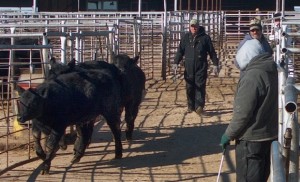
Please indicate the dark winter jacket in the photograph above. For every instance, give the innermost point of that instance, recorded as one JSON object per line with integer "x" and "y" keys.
{"x": 255, "y": 112}
{"x": 195, "y": 49}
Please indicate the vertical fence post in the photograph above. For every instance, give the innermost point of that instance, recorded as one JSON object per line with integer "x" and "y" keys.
{"x": 277, "y": 169}
{"x": 164, "y": 44}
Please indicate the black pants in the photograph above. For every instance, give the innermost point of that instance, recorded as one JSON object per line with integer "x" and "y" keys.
{"x": 252, "y": 161}
{"x": 195, "y": 92}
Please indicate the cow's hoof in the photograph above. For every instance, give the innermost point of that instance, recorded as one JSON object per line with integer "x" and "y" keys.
{"x": 118, "y": 156}
{"x": 41, "y": 155}
{"x": 63, "y": 147}
{"x": 129, "y": 139}
{"x": 128, "y": 136}
{"x": 45, "y": 171}
{"x": 75, "y": 160}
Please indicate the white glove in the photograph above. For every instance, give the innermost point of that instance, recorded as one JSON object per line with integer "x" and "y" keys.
{"x": 216, "y": 70}
{"x": 174, "y": 66}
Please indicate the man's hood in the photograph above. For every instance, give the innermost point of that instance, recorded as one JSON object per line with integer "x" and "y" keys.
{"x": 247, "y": 52}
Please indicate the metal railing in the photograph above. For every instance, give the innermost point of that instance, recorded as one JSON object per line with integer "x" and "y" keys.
{"x": 285, "y": 37}
{"x": 277, "y": 167}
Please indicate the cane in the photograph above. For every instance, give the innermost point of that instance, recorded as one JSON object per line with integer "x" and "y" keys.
{"x": 220, "y": 168}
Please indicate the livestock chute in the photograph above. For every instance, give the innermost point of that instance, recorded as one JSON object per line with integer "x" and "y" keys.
{"x": 27, "y": 69}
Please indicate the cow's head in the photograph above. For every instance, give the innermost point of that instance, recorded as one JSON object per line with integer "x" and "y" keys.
{"x": 30, "y": 105}
{"x": 57, "y": 69}
{"x": 124, "y": 62}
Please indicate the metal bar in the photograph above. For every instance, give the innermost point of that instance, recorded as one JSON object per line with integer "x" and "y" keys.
{"x": 286, "y": 151}
{"x": 25, "y": 47}
{"x": 294, "y": 22}
{"x": 291, "y": 34}
{"x": 290, "y": 94}
{"x": 90, "y": 33}
{"x": 277, "y": 169}
{"x": 21, "y": 35}
{"x": 54, "y": 34}
{"x": 290, "y": 50}
{"x": 294, "y": 155}
{"x": 53, "y": 25}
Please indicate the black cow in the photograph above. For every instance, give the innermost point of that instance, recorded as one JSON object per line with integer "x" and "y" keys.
{"x": 132, "y": 81}
{"x": 74, "y": 98}
{"x": 133, "y": 84}
{"x": 58, "y": 69}
{"x": 133, "y": 87}
{"x": 83, "y": 135}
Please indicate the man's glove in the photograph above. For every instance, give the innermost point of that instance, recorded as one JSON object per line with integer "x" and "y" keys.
{"x": 174, "y": 66}
{"x": 224, "y": 141}
{"x": 216, "y": 70}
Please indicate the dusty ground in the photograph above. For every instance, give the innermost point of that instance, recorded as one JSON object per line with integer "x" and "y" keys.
{"x": 169, "y": 144}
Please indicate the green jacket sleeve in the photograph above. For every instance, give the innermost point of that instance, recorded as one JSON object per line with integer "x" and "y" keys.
{"x": 244, "y": 106}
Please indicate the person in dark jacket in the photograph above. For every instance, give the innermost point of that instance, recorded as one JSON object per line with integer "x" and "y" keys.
{"x": 196, "y": 45}
{"x": 255, "y": 32}
{"x": 254, "y": 125}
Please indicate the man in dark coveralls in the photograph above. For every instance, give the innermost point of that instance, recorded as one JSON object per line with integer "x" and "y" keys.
{"x": 196, "y": 45}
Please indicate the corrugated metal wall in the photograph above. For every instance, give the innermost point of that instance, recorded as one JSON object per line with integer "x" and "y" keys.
{"x": 16, "y": 3}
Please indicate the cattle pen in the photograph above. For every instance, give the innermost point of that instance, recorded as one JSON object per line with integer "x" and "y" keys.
{"x": 161, "y": 151}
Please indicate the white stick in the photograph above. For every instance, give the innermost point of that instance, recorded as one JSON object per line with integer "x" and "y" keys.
{"x": 220, "y": 168}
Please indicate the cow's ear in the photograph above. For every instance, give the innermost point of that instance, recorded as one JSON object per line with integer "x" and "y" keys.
{"x": 135, "y": 59}
{"x": 19, "y": 89}
{"x": 43, "y": 94}
{"x": 31, "y": 90}
{"x": 52, "y": 60}
{"x": 114, "y": 58}
{"x": 72, "y": 63}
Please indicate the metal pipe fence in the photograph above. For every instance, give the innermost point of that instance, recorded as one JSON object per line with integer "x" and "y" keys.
{"x": 155, "y": 36}
{"x": 285, "y": 38}
{"x": 277, "y": 168}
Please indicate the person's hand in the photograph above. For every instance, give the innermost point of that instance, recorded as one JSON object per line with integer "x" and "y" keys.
{"x": 216, "y": 70}
{"x": 174, "y": 66}
{"x": 224, "y": 141}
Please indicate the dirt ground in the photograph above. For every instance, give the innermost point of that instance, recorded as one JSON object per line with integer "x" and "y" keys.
{"x": 169, "y": 144}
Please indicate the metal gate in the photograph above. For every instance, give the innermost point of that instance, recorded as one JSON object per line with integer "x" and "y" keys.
{"x": 135, "y": 38}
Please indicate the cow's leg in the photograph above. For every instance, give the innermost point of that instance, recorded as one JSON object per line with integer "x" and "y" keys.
{"x": 36, "y": 132}
{"x": 90, "y": 130}
{"x": 62, "y": 142}
{"x": 84, "y": 135}
{"x": 131, "y": 112}
{"x": 114, "y": 121}
{"x": 51, "y": 148}
{"x": 78, "y": 145}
